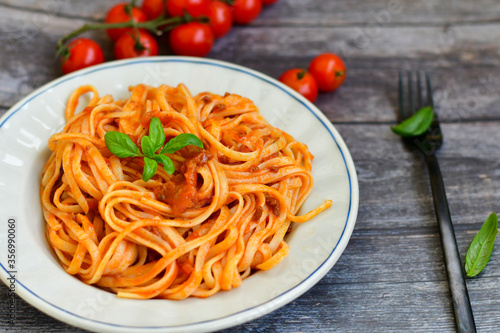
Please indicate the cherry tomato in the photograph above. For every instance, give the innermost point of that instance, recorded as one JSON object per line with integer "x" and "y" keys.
{"x": 83, "y": 52}
{"x": 125, "y": 46}
{"x": 329, "y": 71}
{"x": 245, "y": 11}
{"x": 302, "y": 82}
{"x": 221, "y": 18}
{"x": 192, "y": 39}
{"x": 153, "y": 8}
{"x": 268, "y": 2}
{"x": 193, "y": 7}
{"x": 118, "y": 14}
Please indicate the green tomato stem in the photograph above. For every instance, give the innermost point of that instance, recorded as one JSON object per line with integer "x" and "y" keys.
{"x": 301, "y": 74}
{"x": 152, "y": 26}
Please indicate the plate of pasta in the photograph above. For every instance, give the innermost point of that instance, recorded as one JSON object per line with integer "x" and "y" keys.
{"x": 170, "y": 194}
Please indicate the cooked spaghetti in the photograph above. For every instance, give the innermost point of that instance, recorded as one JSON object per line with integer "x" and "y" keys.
{"x": 222, "y": 215}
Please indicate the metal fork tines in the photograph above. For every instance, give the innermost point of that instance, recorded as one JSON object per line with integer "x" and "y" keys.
{"x": 427, "y": 144}
{"x": 433, "y": 138}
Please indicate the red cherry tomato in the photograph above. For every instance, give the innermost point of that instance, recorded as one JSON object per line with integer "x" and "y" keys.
{"x": 268, "y": 2}
{"x": 83, "y": 52}
{"x": 221, "y": 18}
{"x": 118, "y": 14}
{"x": 245, "y": 11}
{"x": 193, "y": 7}
{"x": 302, "y": 82}
{"x": 153, "y": 8}
{"x": 126, "y": 46}
{"x": 329, "y": 71}
{"x": 192, "y": 39}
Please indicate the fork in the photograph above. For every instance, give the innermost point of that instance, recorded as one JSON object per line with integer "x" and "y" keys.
{"x": 427, "y": 144}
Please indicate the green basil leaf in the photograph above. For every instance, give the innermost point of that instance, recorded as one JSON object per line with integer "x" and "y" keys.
{"x": 417, "y": 124}
{"x": 156, "y": 133}
{"x": 168, "y": 165}
{"x": 121, "y": 145}
{"x": 150, "y": 167}
{"x": 480, "y": 248}
{"x": 147, "y": 146}
{"x": 180, "y": 141}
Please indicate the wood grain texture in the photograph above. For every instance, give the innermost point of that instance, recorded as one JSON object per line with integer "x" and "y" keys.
{"x": 391, "y": 177}
{"x": 309, "y": 12}
{"x": 373, "y": 61}
{"x": 391, "y": 277}
{"x": 384, "y": 308}
{"x": 395, "y": 246}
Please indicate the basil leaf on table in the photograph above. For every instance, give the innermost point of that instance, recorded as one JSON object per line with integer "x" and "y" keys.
{"x": 417, "y": 124}
{"x": 121, "y": 145}
{"x": 168, "y": 165}
{"x": 156, "y": 133}
{"x": 150, "y": 167}
{"x": 180, "y": 141}
{"x": 480, "y": 248}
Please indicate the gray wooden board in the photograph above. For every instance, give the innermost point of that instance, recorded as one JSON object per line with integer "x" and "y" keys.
{"x": 463, "y": 91}
{"x": 391, "y": 277}
{"x": 379, "y": 307}
{"x": 309, "y": 12}
{"x": 393, "y": 250}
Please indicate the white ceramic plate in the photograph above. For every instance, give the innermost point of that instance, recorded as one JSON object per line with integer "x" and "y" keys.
{"x": 315, "y": 246}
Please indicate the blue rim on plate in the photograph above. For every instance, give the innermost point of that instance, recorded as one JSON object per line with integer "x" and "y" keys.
{"x": 276, "y": 303}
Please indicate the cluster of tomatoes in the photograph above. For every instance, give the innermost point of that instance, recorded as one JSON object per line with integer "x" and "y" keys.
{"x": 193, "y": 25}
{"x": 325, "y": 73}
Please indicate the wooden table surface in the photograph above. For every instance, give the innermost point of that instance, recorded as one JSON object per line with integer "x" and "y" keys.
{"x": 391, "y": 277}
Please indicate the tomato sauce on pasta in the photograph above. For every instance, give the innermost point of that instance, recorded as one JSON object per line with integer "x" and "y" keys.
{"x": 221, "y": 216}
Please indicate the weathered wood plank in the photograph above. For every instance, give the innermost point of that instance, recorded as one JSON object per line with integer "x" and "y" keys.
{"x": 27, "y": 318}
{"x": 24, "y": 69}
{"x": 317, "y": 311}
{"x": 381, "y": 307}
{"x": 373, "y": 261}
{"x": 309, "y": 12}
{"x": 394, "y": 186}
{"x": 396, "y": 202}
{"x": 394, "y": 256}
{"x": 421, "y": 307}
{"x": 417, "y": 307}
{"x": 383, "y": 47}
{"x": 391, "y": 276}
{"x": 372, "y": 12}
{"x": 485, "y": 300}
{"x": 396, "y": 240}
{"x": 368, "y": 95}
{"x": 370, "y": 297}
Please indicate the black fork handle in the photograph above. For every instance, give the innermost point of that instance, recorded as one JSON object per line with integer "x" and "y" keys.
{"x": 459, "y": 296}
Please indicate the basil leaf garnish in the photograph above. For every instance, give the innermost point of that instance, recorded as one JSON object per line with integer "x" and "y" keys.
{"x": 480, "y": 248}
{"x": 180, "y": 141}
{"x": 417, "y": 124}
{"x": 149, "y": 170}
{"x": 147, "y": 146}
{"x": 121, "y": 145}
{"x": 156, "y": 133}
{"x": 168, "y": 165}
